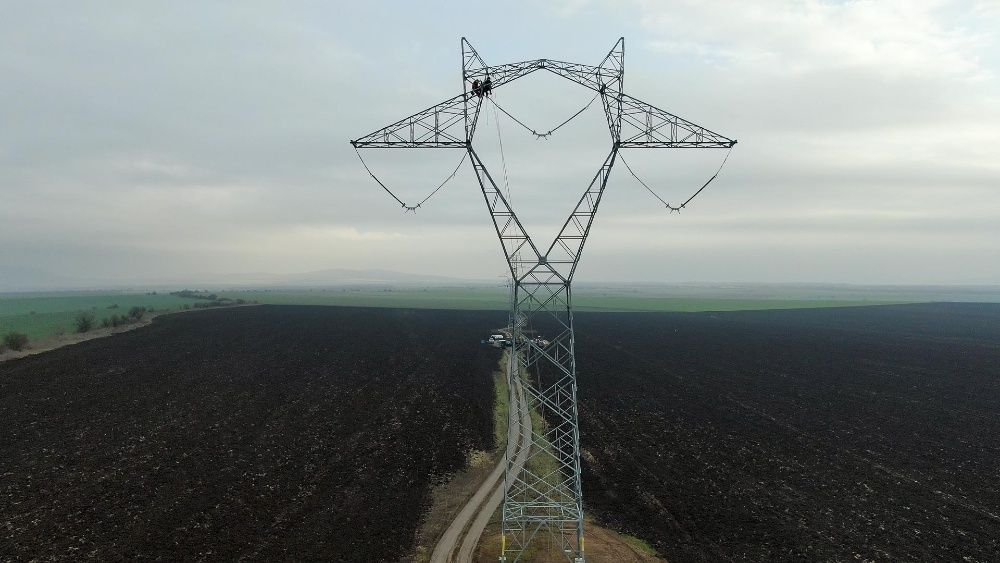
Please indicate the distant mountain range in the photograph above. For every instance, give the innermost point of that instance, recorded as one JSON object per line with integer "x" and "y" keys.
{"x": 40, "y": 280}
{"x": 336, "y": 276}
{"x": 34, "y": 280}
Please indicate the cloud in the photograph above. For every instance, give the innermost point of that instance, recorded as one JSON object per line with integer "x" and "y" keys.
{"x": 343, "y": 233}
{"x": 215, "y": 139}
{"x": 897, "y": 38}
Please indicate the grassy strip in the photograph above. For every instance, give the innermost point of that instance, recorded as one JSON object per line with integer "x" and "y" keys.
{"x": 640, "y": 545}
{"x": 614, "y": 304}
{"x": 447, "y": 499}
{"x": 463, "y": 299}
{"x": 477, "y": 299}
{"x": 501, "y": 406}
{"x": 44, "y": 316}
{"x": 543, "y": 461}
{"x": 41, "y": 316}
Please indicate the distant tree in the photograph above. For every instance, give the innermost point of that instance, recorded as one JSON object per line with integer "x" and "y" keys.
{"x": 84, "y": 322}
{"x": 136, "y": 313}
{"x": 15, "y": 341}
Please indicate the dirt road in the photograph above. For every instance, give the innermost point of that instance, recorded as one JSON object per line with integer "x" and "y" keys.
{"x": 459, "y": 541}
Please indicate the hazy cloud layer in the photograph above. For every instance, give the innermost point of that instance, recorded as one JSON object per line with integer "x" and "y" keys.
{"x": 162, "y": 140}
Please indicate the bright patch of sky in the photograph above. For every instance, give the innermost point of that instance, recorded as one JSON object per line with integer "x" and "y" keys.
{"x": 153, "y": 140}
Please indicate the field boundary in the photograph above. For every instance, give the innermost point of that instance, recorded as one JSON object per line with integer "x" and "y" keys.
{"x": 449, "y": 497}
{"x": 51, "y": 343}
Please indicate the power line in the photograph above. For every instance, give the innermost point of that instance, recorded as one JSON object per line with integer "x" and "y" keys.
{"x": 412, "y": 208}
{"x": 503, "y": 159}
{"x": 554, "y": 129}
{"x": 688, "y": 200}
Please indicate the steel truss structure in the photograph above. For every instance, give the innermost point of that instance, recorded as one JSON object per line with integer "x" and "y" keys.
{"x": 544, "y": 495}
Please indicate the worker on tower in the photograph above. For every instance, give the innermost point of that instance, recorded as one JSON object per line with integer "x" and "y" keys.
{"x": 488, "y": 86}
{"x": 477, "y": 88}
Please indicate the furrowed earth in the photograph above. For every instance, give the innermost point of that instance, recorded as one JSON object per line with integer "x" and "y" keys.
{"x": 264, "y": 433}
{"x": 865, "y": 433}
{"x": 304, "y": 433}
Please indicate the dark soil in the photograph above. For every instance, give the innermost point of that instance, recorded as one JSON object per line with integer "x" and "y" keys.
{"x": 809, "y": 435}
{"x": 305, "y": 433}
{"x": 263, "y": 433}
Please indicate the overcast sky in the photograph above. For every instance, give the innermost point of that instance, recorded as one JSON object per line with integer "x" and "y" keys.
{"x": 142, "y": 141}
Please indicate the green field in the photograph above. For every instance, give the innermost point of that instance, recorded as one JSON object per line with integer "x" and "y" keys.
{"x": 444, "y": 298}
{"x": 496, "y": 299}
{"x": 41, "y": 315}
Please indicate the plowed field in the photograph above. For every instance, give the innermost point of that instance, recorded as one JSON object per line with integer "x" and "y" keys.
{"x": 817, "y": 435}
{"x": 304, "y": 433}
{"x": 263, "y": 433}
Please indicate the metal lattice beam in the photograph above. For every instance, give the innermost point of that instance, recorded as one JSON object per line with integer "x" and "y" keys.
{"x": 647, "y": 126}
{"x": 544, "y": 495}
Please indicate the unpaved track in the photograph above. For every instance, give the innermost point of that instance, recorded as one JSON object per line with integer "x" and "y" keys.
{"x": 464, "y": 532}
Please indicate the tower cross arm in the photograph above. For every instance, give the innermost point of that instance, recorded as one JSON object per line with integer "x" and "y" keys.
{"x": 503, "y": 74}
{"x": 644, "y": 125}
{"x": 590, "y": 76}
{"x": 593, "y": 77}
{"x": 439, "y": 126}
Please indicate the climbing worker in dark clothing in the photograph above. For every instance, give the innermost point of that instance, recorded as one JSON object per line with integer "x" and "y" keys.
{"x": 488, "y": 86}
{"x": 477, "y": 88}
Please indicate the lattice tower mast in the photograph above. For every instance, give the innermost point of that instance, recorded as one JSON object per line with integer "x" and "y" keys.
{"x": 544, "y": 494}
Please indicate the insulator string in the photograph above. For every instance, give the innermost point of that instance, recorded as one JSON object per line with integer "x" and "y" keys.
{"x": 412, "y": 208}
{"x": 688, "y": 200}
{"x": 550, "y": 131}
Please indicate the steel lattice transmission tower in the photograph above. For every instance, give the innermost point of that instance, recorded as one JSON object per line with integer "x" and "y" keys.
{"x": 544, "y": 494}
